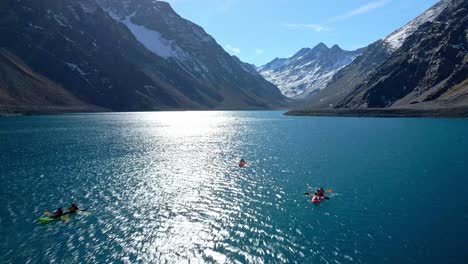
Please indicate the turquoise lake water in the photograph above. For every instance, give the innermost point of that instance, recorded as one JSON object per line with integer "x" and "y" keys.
{"x": 165, "y": 188}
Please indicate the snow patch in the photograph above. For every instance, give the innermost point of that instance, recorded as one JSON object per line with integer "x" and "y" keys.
{"x": 396, "y": 39}
{"x": 88, "y": 7}
{"x": 36, "y": 26}
{"x": 59, "y": 19}
{"x": 151, "y": 39}
{"x": 458, "y": 46}
{"x": 66, "y": 38}
{"x": 75, "y": 67}
{"x": 154, "y": 41}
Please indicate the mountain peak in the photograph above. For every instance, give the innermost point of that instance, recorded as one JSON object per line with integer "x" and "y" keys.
{"x": 320, "y": 46}
{"x": 336, "y": 48}
{"x": 308, "y": 71}
{"x": 164, "y": 6}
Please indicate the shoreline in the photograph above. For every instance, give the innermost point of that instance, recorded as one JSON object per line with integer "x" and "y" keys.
{"x": 32, "y": 111}
{"x": 8, "y": 111}
{"x": 455, "y": 112}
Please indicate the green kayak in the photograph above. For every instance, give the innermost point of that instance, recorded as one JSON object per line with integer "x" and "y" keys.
{"x": 46, "y": 219}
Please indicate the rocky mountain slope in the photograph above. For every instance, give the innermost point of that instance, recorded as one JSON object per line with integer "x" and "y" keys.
{"x": 308, "y": 71}
{"x": 25, "y": 89}
{"x": 429, "y": 69}
{"x": 423, "y": 64}
{"x": 129, "y": 55}
{"x": 350, "y": 76}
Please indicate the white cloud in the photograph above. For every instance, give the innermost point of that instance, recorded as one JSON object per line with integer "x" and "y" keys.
{"x": 352, "y": 13}
{"x": 314, "y": 27}
{"x": 360, "y": 10}
{"x": 259, "y": 51}
{"x": 231, "y": 49}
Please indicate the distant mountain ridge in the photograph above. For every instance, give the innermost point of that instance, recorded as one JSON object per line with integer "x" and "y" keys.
{"x": 128, "y": 55}
{"x": 308, "y": 71}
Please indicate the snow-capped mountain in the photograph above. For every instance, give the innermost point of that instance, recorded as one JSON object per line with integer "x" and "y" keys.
{"x": 423, "y": 64}
{"x": 308, "y": 71}
{"x": 349, "y": 77}
{"x": 396, "y": 38}
{"x": 429, "y": 69}
{"x": 128, "y": 55}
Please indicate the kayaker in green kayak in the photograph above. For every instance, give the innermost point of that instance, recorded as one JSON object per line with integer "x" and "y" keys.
{"x": 57, "y": 214}
{"x": 72, "y": 209}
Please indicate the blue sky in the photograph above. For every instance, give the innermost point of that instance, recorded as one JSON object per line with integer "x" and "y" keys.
{"x": 257, "y": 31}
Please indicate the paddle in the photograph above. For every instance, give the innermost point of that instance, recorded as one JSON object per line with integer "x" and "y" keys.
{"x": 81, "y": 210}
{"x": 328, "y": 191}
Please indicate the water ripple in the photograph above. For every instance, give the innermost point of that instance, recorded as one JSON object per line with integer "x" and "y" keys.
{"x": 166, "y": 188}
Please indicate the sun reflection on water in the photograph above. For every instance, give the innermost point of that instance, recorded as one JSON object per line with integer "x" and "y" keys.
{"x": 182, "y": 185}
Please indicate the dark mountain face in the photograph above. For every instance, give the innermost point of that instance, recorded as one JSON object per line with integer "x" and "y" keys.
{"x": 308, "y": 71}
{"x": 429, "y": 69}
{"x": 24, "y": 89}
{"x": 423, "y": 64}
{"x": 77, "y": 45}
{"x": 247, "y": 66}
{"x": 129, "y": 55}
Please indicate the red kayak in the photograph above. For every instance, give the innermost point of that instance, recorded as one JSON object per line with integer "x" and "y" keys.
{"x": 318, "y": 200}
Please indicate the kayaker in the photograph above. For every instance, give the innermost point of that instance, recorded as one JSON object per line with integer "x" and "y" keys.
{"x": 242, "y": 163}
{"x": 57, "y": 214}
{"x": 314, "y": 196}
{"x": 72, "y": 209}
{"x": 321, "y": 192}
